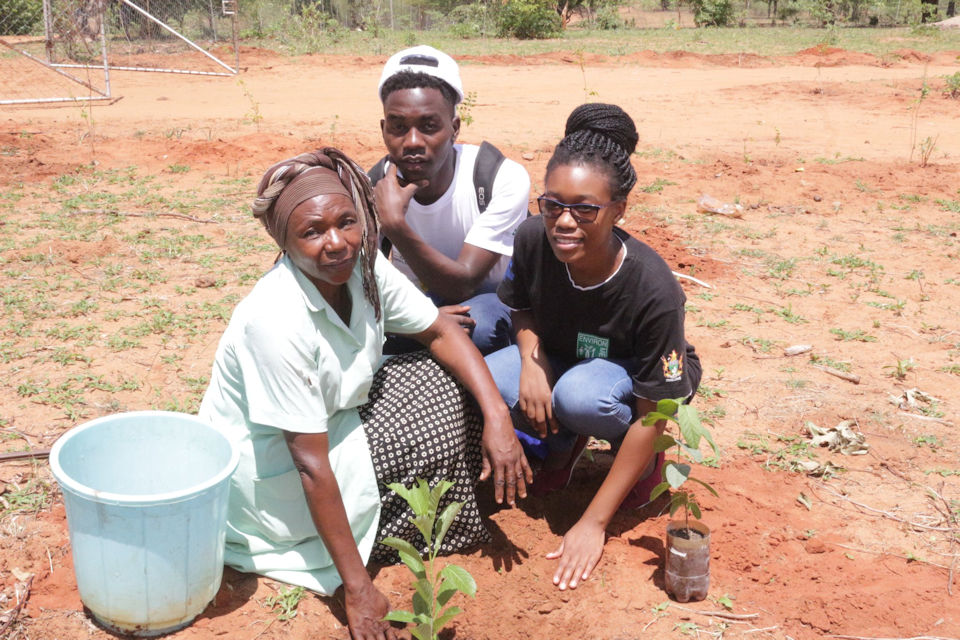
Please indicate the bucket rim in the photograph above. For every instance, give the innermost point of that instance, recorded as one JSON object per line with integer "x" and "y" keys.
{"x": 67, "y": 482}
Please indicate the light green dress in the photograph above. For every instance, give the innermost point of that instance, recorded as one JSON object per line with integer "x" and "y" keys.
{"x": 287, "y": 362}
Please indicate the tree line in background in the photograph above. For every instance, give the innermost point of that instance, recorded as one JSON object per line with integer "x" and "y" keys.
{"x": 529, "y": 19}
{"x": 526, "y": 19}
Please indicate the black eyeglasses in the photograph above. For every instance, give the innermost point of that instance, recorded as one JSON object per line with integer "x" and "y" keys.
{"x": 582, "y": 212}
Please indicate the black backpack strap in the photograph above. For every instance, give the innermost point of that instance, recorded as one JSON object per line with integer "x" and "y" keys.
{"x": 488, "y": 162}
{"x": 376, "y": 174}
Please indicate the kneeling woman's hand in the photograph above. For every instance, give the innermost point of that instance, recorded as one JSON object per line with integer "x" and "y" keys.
{"x": 365, "y": 611}
{"x": 579, "y": 552}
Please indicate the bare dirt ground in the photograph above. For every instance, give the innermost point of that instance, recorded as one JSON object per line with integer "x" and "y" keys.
{"x": 126, "y": 243}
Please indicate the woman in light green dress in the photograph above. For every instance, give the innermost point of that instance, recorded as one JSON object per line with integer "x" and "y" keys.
{"x": 321, "y": 430}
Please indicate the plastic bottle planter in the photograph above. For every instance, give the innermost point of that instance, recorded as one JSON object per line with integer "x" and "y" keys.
{"x": 687, "y": 569}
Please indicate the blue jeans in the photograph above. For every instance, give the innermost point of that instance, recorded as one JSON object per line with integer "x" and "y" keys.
{"x": 590, "y": 397}
{"x": 493, "y": 330}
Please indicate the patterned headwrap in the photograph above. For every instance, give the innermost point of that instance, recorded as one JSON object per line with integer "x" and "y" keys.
{"x": 324, "y": 172}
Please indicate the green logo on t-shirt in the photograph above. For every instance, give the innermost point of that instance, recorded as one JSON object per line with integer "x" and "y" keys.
{"x": 589, "y": 346}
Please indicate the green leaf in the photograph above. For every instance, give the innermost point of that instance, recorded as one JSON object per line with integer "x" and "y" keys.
{"x": 419, "y": 499}
{"x": 459, "y": 578}
{"x": 400, "y": 616}
{"x": 424, "y": 524}
{"x": 445, "y": 592}
{"x": 676, "y": 473}
{"x": 446, "y": 617}
{"x": 400, "y": 490}
{"x": 659, "y": 489}
{"x": 668, "y": 406}
{"x": 694, "y": 509}
{"x": 423, "y": 631}
{"x": 693, "y": 454}
{"x": 654, "y": 417}
{"x": 678, "y": 500}
{"x": 709, "y": 488}
{"x": 437, "y": 492}
{"x": 446, "y": 519}
{"x": 664, "y": 442}
{"x": 690, "y": 428}
{"x": 408, "y": 555}
{"x": 422, "y": 606}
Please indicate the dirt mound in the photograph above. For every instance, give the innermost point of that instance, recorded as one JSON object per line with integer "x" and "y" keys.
{"x": 826, "y": 56}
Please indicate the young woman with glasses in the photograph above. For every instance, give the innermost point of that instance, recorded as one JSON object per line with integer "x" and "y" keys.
{"x": 599, "y": 320}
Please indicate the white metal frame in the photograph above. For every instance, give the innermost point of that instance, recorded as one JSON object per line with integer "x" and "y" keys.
{"x": 96, "y": 94}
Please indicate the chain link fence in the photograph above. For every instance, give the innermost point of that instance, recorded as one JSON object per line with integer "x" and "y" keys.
{"x": 60, "y": 50}
{"x": 176, "y": 36}
{"x": 52, "y": 50}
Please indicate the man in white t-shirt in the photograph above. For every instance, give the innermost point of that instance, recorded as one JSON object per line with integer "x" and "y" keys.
{"x": 428, "y": 203}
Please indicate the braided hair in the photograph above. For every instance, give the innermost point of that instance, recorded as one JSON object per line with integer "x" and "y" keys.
{"x": 602, "y": 136}
{"x": 353, "y": 182}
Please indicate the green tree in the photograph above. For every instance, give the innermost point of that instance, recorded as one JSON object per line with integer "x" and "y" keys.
{"x": 528, "y": 20}
{"x": 19, "y": 17}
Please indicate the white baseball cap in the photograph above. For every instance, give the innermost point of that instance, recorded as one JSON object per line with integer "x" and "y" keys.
{"x": 424, "y": 59}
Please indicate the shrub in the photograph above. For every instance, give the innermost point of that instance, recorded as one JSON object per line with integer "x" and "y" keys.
{"x": 608, "y": 18}
{"x": 712, "y": 13}
{"x": 19, "y": 17}
{"x": 472, "y": 20}
{"x": 528, "y": 20}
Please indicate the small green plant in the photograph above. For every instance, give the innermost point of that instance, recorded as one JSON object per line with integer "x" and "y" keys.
{"x": 687, "y": 444}
{"x": 927, "y": 146}
{"x": 914, "y": 118}
{"x": 952, "y": 86}
{"x": 900, "y": 369}
{"x": 858, "y": 335}
{"x": 285, "y": 602}
{"x": 252, "y": 116}
{"x": 433, "y": 588}
{"x": 465, "y": 107}
{"x": 657, "y": 186}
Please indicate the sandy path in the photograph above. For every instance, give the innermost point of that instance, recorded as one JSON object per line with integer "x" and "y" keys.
{"x": 810, "y": 111}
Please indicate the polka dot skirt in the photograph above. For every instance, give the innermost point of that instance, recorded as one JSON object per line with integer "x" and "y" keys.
{"x": 421, "y": 423}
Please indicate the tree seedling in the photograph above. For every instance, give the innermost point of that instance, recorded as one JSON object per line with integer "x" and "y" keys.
{"x": 687, "y": 444}
{"x": 433, "y": 588}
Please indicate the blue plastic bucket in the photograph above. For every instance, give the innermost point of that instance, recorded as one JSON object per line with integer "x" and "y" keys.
{"x": 146, "y": 497}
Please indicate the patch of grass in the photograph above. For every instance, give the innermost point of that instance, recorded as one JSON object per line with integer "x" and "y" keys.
{"x": 789, "y": 315}
{"x": 781, "y": 453}
{"x": 31, "y": 496}
{"x": 837, "y": 159}
{"x": 830, "y": 362}
{"x": 953, "y": 206}
{"x": 858, "y": 335}
{"x": 953, "y": 369}
{"x": 758, "y": 344}
{"x": 927, "y": 440}
{"x": 781, "y": 269}
{"x": 285, "y": 602}
{"x": 657, "y": 186}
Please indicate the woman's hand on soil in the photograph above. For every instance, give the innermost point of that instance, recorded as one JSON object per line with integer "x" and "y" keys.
{"x": 579, "y": 552}
{"x": 365, "y": 611}
{"x": 503, "y": 458}
{"x": 536, "y": 396}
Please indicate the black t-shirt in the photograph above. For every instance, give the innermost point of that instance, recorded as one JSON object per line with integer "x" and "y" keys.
{"x": 636, "y": 314}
